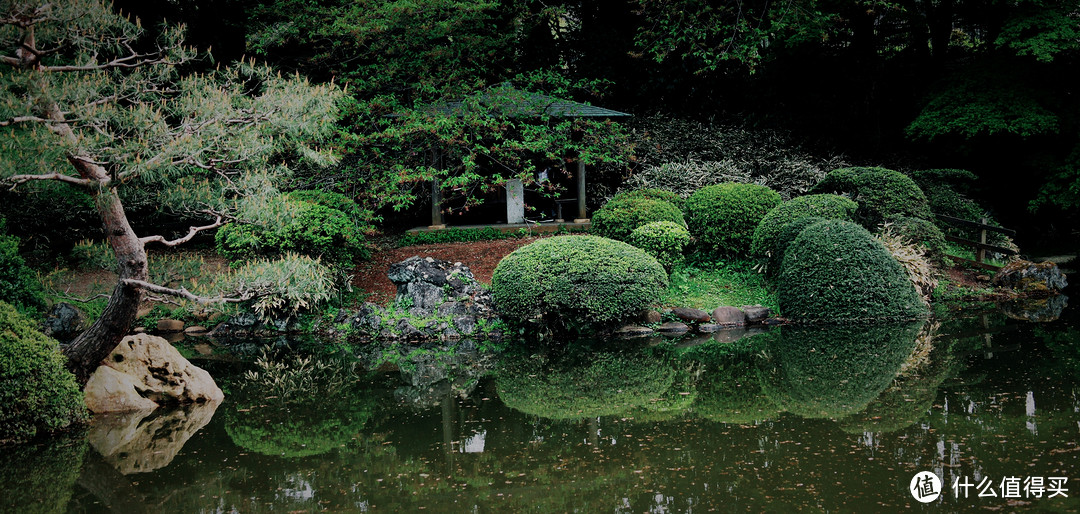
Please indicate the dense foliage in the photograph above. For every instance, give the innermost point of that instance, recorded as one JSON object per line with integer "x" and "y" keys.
{"x": 620, "y": 216}
{"x": 281, "y": 287}
{"x": 920, "y": 232}
{"x": 664, "y": 240}
{"x": 822, "y": 205}
{"x": 723, "y": 217}
{"x": 19, "y": 284}
{"x": 654, "y": 194}
{"x": 303, "y": 227}
{"x": 836, "y": 271}
{"x": 576, "y": 280}
{"x": 37, "y": 392}
{"x": 881, "y": 194}
{"x": 40, "y": 478}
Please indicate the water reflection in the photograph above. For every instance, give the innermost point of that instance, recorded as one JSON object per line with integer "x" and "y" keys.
{"x": 143, "y": 441}
{"x": 784, "y": 420}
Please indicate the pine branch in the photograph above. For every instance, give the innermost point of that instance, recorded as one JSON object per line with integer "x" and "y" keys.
{"x": 22, "y": 119}
{"x": 16, "y": 180}
{"x": 188, "y": 295}
{"x": 191, "y": 233}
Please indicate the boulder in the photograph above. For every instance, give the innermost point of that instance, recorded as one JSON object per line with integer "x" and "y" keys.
{"x": 170, "y": 325}
{"x": 1029, "y": 277}
{"x": 652, "y": 316}
{"x": 756, "y": 313}
{"x": 63, "y": 322}
{"x": 195, "y": 330}
{"x": 690, "y": 315}
{"x": 673, "y": 327}
{"x": 160, "y": 372}
{"x": 729, "y": 316}
{"x": 109, "y": 390}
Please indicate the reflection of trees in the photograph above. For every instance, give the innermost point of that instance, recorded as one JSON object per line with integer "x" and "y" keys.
{"x": 40, "y": 477}
{"x": 598, "y": 384}
{"x": 835, "y": 371}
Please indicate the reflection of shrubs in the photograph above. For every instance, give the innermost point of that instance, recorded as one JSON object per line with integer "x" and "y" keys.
{"x": 729, "y": 391}
{"x": 609, "y": 384}
{"x": 881, "y": 194}
{"x": 664, "y": 240}
{"x": 37, "y": 393}
{"x": 40, "y": 477}
{"x": 296, "y": 407}
{"x": 835, "y": 270}
{"x": 723, "y": 217}
{"x": 18, "y": 283}
{"x": 619, "y": 217}
{"x": 831, "y": 372}
{"x": 823, "y": 206}
{"x": 576, "y": 279}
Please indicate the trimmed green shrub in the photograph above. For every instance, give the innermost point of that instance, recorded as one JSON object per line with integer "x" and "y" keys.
{"x": 312, "y": 229}
{"x": 947, "y": 192}
{"x": 607, "y": 384}
{"x": 652, "y": 194}
{"x": 825, "y": 206}
{"x": 37, "y": 393}
{"x": 723, "y": 217}
{"x": 576, "y": 280}
{"x": 881, "y": 194}
{"x": 664, "y": 240}
{"x": 835, "y": 371}
{"x": 836, "y": 271}
{"x": 19, "y": 284}
{"x": 783, "y": 241}
{"x": 922, "y": 232}
{"x": 620, "y": 216}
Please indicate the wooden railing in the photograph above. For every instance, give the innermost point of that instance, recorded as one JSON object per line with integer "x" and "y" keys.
{"x": 980, "y": 246}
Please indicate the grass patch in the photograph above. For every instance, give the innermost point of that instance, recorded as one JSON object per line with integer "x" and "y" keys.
{"x": 711, "y": 284}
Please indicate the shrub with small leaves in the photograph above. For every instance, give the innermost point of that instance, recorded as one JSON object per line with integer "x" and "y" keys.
{"x": 948, "y": 192}
{"x": 664, "y": 240}
{"x": 823, "y": 206}
{"x": 620, "y": 216}
{"x": 836, "y": 271}
{"x": 576, "y": 281}
{"x": 309, "y": 228}
{"x": 37, "y": 392}
{"x": 881, "y": 194}
{"x": 654, "y": 194}
{"x": 723, "y": 217}
{"x": 282, "y": 287}
{"x": 18, "y": 283}
{"x": 920, "y": 232}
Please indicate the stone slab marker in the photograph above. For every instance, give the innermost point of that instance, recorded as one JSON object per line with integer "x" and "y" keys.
{"x": 515, "y": 201}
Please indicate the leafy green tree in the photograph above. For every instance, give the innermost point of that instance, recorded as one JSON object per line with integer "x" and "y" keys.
{"x": 94, "y": 101}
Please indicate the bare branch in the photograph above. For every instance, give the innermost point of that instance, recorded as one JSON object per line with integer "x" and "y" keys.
{"x": 191, "y": 233}
{"x": 22, "y": 119}
{"x": 66, "y": 296}
{"x": 20, "y": 179}
{"x": 184, "y": 293}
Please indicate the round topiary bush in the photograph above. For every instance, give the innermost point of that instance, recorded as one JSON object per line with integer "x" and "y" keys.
{"x": 576, "y": 280}
{"x": 783, "y": 241}
{"x": 836, "y": 271}
{"x": 723, "y": 217}
{"x": 881, "y": 194}
{"x": 664, "y": 240}
{"x": 652, "y": 194}
{"x": 922, "y": 232}
{"x": 620, "y": 216}
{"x": 833, "y": 207}
{"x": 37, "y": 393}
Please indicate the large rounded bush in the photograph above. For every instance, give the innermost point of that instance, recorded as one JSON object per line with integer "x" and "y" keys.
{"x": 620, "y": 216}
{"x": 881, "y": 194}
{"x": 723, "y": 217}
{"x": 826, "y": 206}
{"x": 37, "y": 393}
{"x": 652, "y": 194}
{"x": 922, "y": 232}
{"x": 783, "y": 241}
{"x": 664, "y": 240}
{"x": 576, "y": 280}
{"x": 312, "y": 229}
{"x": 836, "y": 271}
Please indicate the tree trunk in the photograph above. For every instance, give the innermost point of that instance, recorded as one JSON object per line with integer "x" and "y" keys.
{"x": 87, "y": 351}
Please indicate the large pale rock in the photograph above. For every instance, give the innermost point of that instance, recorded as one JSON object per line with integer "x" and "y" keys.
{"x": 109, "y": 390}
{"x": 134, "y": 444}
{"x": 161, "y": 373}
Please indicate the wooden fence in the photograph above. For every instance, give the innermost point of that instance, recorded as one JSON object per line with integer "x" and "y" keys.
{"x": 980, "y": 246}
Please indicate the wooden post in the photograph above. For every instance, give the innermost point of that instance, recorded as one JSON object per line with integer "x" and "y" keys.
{"x": 436, "y": 205}
{"x": 582, "y": 215}
{"x": 980, "y": 254}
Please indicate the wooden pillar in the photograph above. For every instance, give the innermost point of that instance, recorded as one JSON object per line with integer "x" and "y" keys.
{"x": 582, "y": 215}
{"x": 436, "y": 205}
{"x": 515, "y": 201}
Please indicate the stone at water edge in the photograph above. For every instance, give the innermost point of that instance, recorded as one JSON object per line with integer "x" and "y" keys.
{"x": 690, "y": 315}
{"x": 729, "y": 316}
{"x": 161, "y": 373}
{"x": 673, "y": 327}
{"x": 633, "y": 331}
{"x": 756, "y": 313}
{"x": 1030, "y": 277}
{"x": 109, "y": 390}
{"x": 170, "y": 325}
{"x": 652, "y": 316}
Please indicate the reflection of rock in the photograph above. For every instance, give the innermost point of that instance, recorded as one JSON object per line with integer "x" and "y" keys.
{"x": 834, "y": 371}
{"x": 430, "y": 376}
{"x": 139, "y": 442}
{"x": 1036, "y": 309}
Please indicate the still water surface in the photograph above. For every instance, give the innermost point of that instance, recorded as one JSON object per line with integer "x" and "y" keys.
{"x": 835, "y": 420}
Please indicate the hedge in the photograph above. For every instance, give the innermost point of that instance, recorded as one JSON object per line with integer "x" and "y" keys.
{"x": 620, "y": 216}
{"x": 826, "y": 206}
{"x": 723, "y": 217}
{"x": 881, "y": 194}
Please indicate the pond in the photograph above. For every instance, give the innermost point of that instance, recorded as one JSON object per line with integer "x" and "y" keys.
{"x": 836, "y": 419}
